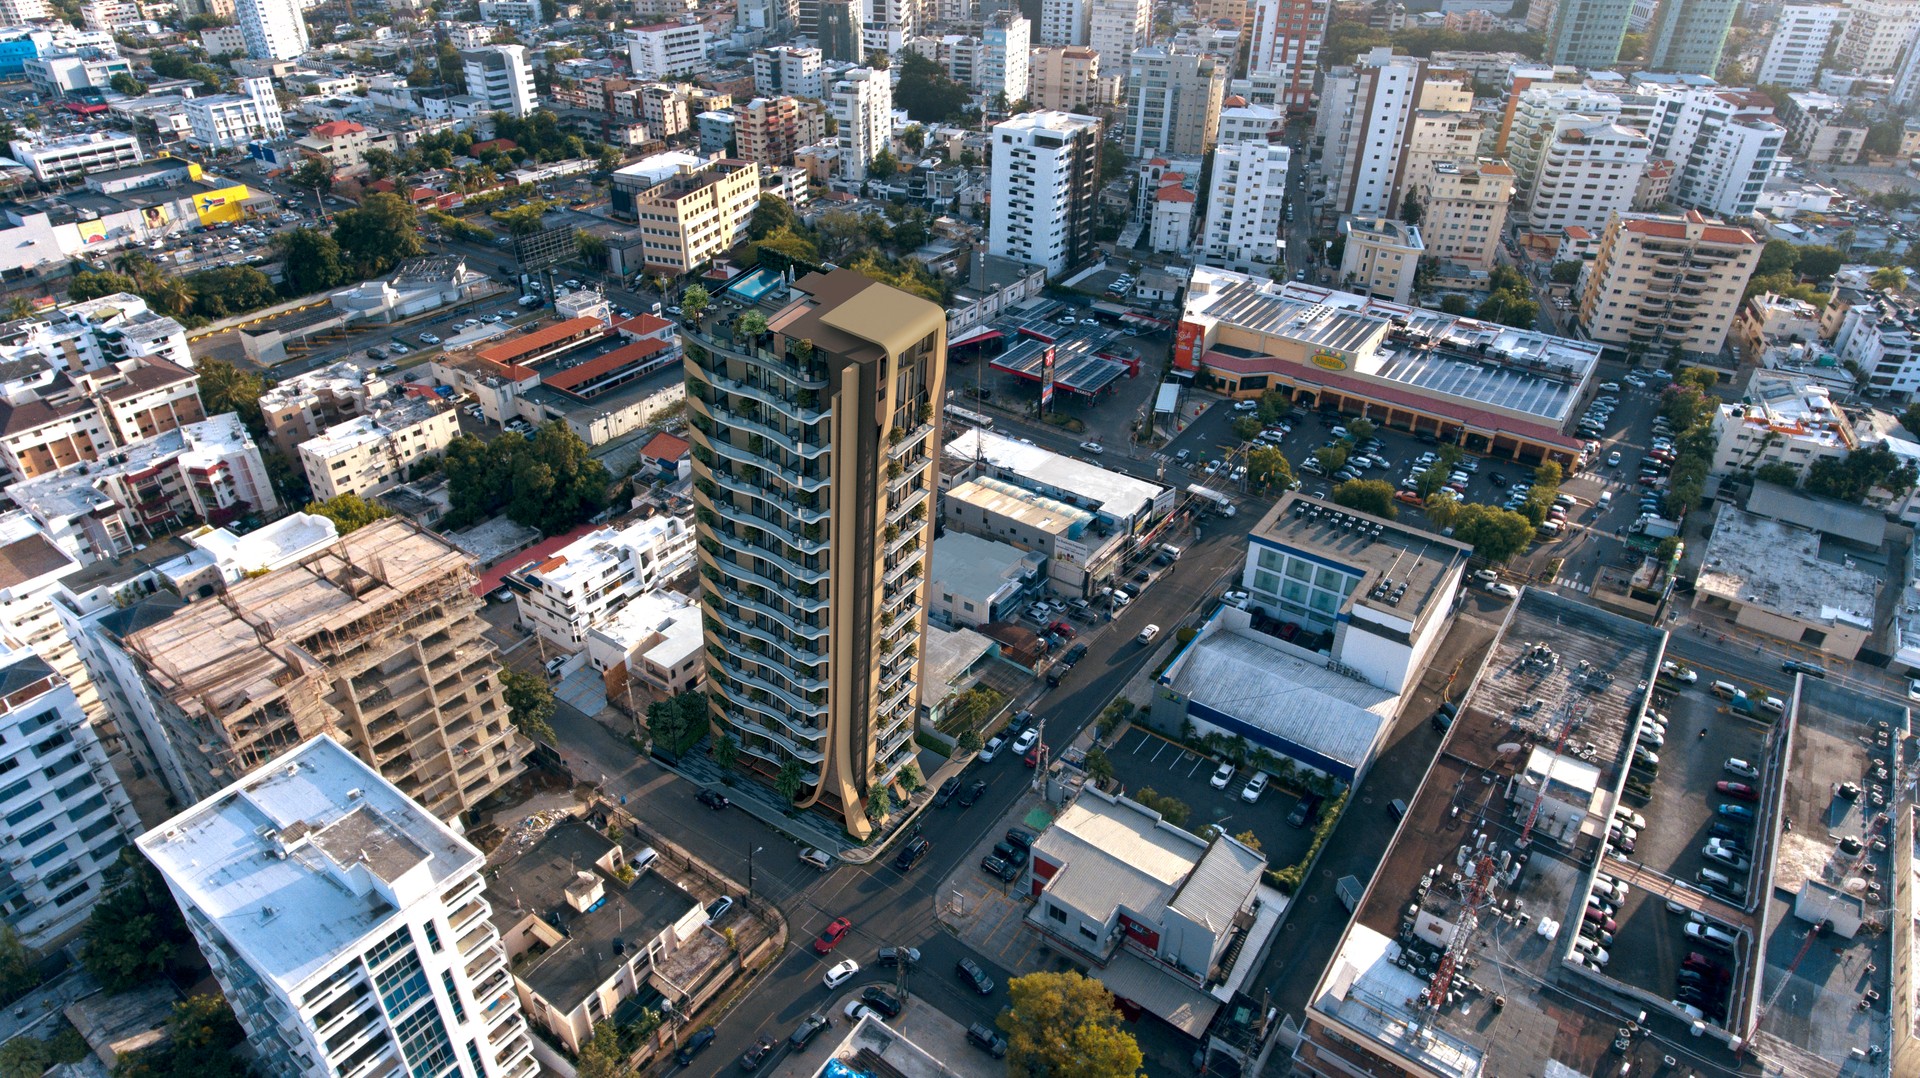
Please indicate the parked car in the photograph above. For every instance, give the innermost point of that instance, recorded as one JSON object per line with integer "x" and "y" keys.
{"x": 973, "y": 793}
{"x": 1255, "y": 786}
{"x": 1025, "y": 741}
{"x": 842, "y": 972}
{"x": 946, "y": 792}
{"x": 988, "y": 751}
{"x": 911, "y": 854}
{"x": 984, "y": 1038}
{"x": 713, "y": 799}
{"x": 809, "y": 1028}
{"x": 693, "y": 1046}
{"x": 881, "y": 1000}
{"x": 751, "y": 1059}
{"x": 1737, "y": 766}
{"x": 891, "y": 956}
{"x": 1222, "y": 775}
{"x": 970, "y": 973}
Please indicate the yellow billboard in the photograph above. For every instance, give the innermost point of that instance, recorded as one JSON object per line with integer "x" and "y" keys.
{"x": 221, "y": 204}
{"x": 93, "y": 231}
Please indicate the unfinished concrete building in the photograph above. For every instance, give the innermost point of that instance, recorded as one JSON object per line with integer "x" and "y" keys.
{"x": 376, "y": 641}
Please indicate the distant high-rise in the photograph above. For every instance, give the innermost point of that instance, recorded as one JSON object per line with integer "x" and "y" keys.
{"x": 1284, "y": 50}
{"x": 274, "y": 29}
{"x": 1005, "y": 55}
{"x": 1246, "y": 225}
{"x": 1688, "y": 36}
{"x": 1799, "y": 43}
{"x": 1173, "y": 102}
{"x": 814, "y": 538}
{"x": 1363, "y": 154}
{"x": 499, "y": 75}
{"x": 1046, "y": 178}
{"x": 1587, "y": 33}
{"x": 1876, "y": 33}
{"x": 1066, "y": 22}
{"x": 1116, "y": 29}
{"x": 861, "y": 103}
{"x": 345, "y": 924}
{"x": 839, "y": 35}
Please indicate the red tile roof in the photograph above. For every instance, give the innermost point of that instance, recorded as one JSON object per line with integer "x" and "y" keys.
{"x": 1174, "y": 194}
{"x": 612, "y": 361}
{"x": 1577, "y": 232}
{"x": 336, "y": 128}
{"x": 665, "y": 447}
{"x": 643, "y": 324}
{"x": 502, "y": 144}
{"x": 541, "y": 338}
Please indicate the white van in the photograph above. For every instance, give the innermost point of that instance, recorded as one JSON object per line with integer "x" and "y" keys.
{"x": 1606, "y": 501}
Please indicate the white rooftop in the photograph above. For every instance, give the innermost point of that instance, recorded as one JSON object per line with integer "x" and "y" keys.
{"x": 367, "y": 429}
{"x": 1754, "y": 561}
{"x": 75, "y": 490}
{"x": 1369, "y": 993}
{"x": 1117, "y": 494}
{"x": 1114, "y": 852}
{"x": 356, "y": 849}
{"x": 967, "y": 565}
{"x": 593, "y": 555}
{"x": 663, "y": 625}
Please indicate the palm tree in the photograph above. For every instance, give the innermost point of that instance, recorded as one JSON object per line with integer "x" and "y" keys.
{"x": 19, "y": 307}
{"x": 133, "y": 264}
{"x": 170, "y": 294}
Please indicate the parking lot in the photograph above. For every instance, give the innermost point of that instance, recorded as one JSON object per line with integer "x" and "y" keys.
{"x": 1681, "y": 816}
{"x": 1145, "y": 760}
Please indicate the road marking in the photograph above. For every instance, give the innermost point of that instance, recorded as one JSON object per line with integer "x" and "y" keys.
{"x": 1157, "y": 752}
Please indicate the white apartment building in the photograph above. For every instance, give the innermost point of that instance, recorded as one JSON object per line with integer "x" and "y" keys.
{"x": 786, "y": 70}
{"x": 112, "y": 15}
{"x": 1465, "y": 211}
{"x": 517, "y": 12}
{"x": 1780, "y": 420}
{"x": 1172, "y": 226}
{"x": 1530, "y": 130}
{"x": 1875, "y": 34}
{"x": 1362, "y": 157}
{"x": 1046, "y": 171}
{"x": 1241, "y": 122}
{"x": 345, "y": 923}
{"x": 1284, "y": 49}
{"x": 225, "y": 120}
{"x": 667, "y": 51}
{"x": 371, "y": 453}
{"x": 1447, "y": 133}
{"x": 1723, "y": 143}
{"x": 1246, "y": 218}
{"x": 861, "y": 104}
{"x": 589, "y": 580}
{"x": 67, "y": 814}
{"x": 696, "y": 214}
{"x": 1906, "y": 80}
{"x": 500, "y": 77}
{"x": 1380, "y": 257}
{"x": 1065, "y": 22}
{"x": 68, "y": 156}
{"x": 31, "y": 616}
{"x": 655, "y": 640}
{"x": 223, "y": 41}
{"x": 1116, "y": 29}
{"x": 1661, "y": 281}
{"x": 1173, "y": 103}
{"x": 1589, "y": 170}
{"x": 1006, "y": 45}
{"x": 1880, "y": 334}
{"x": 1800, "y": 37}
{"x": 275, "y": 29}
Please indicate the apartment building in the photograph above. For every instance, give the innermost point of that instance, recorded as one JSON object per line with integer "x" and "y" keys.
{"x": 588, "y": 581}
{"x": 1878, "y": 333}
{"x": 1171, "y": 228}
{"x": 112, "y": 16}
{"x": 1006, "y": 45}
{"x": 1241, "y": 122}
{"x": 814, "y": 537}
{"x": 1283, "y": 50}
{"x": 667, "y": 50}
{"x": 376, "y": 640}
{"x": 68, "y": 156}
{"x": 1371, "y": 112}
{"x": 1380, "y": 257}
{"x": 1688, "y": 37}
{"x": 1589, "y": 170}
{"x": 375, "y": 452}
{"x": 1799, "y": 43}
{"x": 1068, "y": 80}
{"x": 1823, "y": 129}
{"x": 1781, "y": 419}
{"x": 696, "y": 214}
{"x": 346, "y": 925}
{"x": 787, "y": 69}
{"x": 1116, "y": 29}
{"x": 767, "y": 130}
{"x": 887, "y": 25}
{"x": 1875, "y": 34}
{"x": 1723, "y": 144}
{"x": 656, "y": 641}
{"x": 1662, "y": 281}
{"x": 1045, "y": 182}
{"x": 304, "y": 406}
{"x": 500, "y": 77}
{"x": 1246, "y": 221}
{"x": 1465, "y": 212}
{"x": 861, "y": 104}
{"x": 221, "y": 121}
{"x": 1173, "y": 102}
{"x": 1066, "y": 23}
{"x": 1530, "y": 123}
{"x": 343, "y": 145}
{"x": 839, "y": 34}
{"x": 274, "y": 29}
{"x": 1587, "y": 33}
{"x": 1446, "y": 130}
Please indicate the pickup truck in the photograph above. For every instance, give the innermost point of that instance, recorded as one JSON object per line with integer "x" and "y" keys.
{"x": 819, "y": 860}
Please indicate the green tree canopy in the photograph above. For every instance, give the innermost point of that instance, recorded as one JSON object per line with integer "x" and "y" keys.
{"x": 87, "y": 285}
{"x": 134, "y": 929}
{"x": 313, "y": 174}
{"x": 600, "y": 1056}
{"x": 677, "y": 723}
{"x": 202, "y": 1033}
{"x": 1565, "y": 272}
{"x": 1852, "y": 477}
{"x": 310, "y": 261}
{"x": 1367, "y": 495}
{"x": 1495, "y": 534}
{"x": 378, "y": 235}
{"x": 926, "y": 92}
{"x": 770, "y": 215}
{"x": 226, "y": 388}
{"x": 1065, "y": 1025}
{"x": 529, "y": 703}
{"x": 124, "y": 83}
{"x": 230, "y": 290}
{"x": 550, "y": 481}
{"x": 349, "y": 512}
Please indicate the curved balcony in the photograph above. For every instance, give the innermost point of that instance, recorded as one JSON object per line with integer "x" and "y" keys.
{"x": 748, "y": 518}
{"x": 899, "y": 569}
{"x": 807, "y": 779}
{"x": 797, "y": 680}
{"x": 744, "y": 683}
{"x": 799, "y": 750}
{"x": 792, "y": 478}
{"x": 918, "y": 496}
{"x": 907, "y": 475}
{"x": 748, "y": 629}
{"x": 782, "y": 588}
{"x": 739, "y": 420}
{"x": 786, "y": 617}
{"x": 780, "y": 496}
{"x": 785, "y": 404}
{"x": 801, "y": 667}
{"x": 774, "y": 550}
{"x": 769, "y": 361}
{"x": 913, "y": 439}
{"x": 898, "y": 696}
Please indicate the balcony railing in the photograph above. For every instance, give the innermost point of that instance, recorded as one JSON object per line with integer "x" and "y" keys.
{"x": 798, "y": 749}
{"x": 814, "y": 378}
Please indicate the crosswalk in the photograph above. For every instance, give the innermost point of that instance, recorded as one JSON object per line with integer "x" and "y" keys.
{"x": 1574, "y": 586}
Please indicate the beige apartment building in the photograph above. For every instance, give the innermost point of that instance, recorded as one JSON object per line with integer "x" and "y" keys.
{"x": 814, "y": 482}
{"x": 371, "y": 453}
{"x": 1661, "y": 280}
{"x": 376, "y": 641}
{"x": 1068, "y": 80}
{"x": 696, "y": 215}
{"x": 1465, "y": 211}
{"x": 1380, "y": 258}
{"x": 767, "y": 130}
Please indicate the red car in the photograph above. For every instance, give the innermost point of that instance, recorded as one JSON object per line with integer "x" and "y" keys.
{"x": 1062, "y": 630}
{"x": 831, "y": 938}
{"x": 1738, "y": 789}
{"x": 1599, "y": 917}
{"x": 1032, "y": 757}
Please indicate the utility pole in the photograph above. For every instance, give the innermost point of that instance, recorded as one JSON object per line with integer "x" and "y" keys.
{"x": 750, "y": 854}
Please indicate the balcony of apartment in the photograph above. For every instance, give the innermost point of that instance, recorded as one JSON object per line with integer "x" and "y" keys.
{"x": 338, "y": 1014}
{"x": 393, "y": 745}
{"x": 743, "y": 674}
{"x": 804, "y": 507}
{"x": 374, "y": 1057}
{"x": 344, "y": 1038}
{"x": 486, "y": 963}
{"x": 768, "y": 548}
{"x": 909, "y": 442}
{"x": 786, "y": 619}
{"x": 751, "y": 631}
{"x": 793, "y": 478}
{"x": 797, "y": 402}
{"x": 898, "y": 646}
{"x": 906, "y": 503}
{"x": 894, "y": 698}
{"x": 747, "y": 418}
{"x": 908, "y": 566}
{"x": 807, "y": 750}
{"x": 520, "y": 1047}
{"x": 778, "y": 755}
{"x": 788, "y": 590}
{"x": 808, "y": 538}
{"x": 899, "y": 474}
{"x": 456, "y": 898}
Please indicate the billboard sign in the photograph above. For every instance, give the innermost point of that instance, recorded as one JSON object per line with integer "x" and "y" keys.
{"x": 1046, "y": 380}
{"x": 1186, "y": 346}
{"x": 544, "y": 249}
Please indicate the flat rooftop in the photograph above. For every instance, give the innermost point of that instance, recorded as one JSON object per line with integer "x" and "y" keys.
{"x": 1114, "y": 493}
{"x": 354, "y": 845}
{"x": 1585, "y": 665}
{"x": 967, "y": 565}
{"x": 1036, "y": 511}
{"x": 1403, "y": 570}
{"x": 1124, "y": 854}
{"x": 1753, "y": 561}
{"x": 75, "y": 491}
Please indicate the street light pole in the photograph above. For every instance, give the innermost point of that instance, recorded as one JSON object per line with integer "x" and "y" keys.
{"x": 750, "y": 854}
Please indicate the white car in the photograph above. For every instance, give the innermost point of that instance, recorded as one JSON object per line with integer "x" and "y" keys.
{"x": 1609, "y": 387}
{"x": 1093, "y": 447}
{"x": 1254, "y": 788}
{"x": 991, "y": 749}
{"x": 856, "y": 1010}
{"x": 1025, "y": 741}
{"x": 1235, "y": 597}
{"x": 1147, "y": 634}
{"x": 1221, "y": 777}
{"x": 1737, "y": 766}
{"x": 1679, "y": 673}
{"x": 1246, "y": 406}
{"x": 1503, "y": 590}
{"x": 841, "y": 973}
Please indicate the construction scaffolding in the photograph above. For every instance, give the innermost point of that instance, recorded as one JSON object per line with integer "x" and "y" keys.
{"x": 375, "y": 640}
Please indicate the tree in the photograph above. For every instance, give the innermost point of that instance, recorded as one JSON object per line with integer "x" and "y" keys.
{"x": 1246, "y": 428}
{"x": 134, "y": 929}
{"x": 1548, "y": 474}
{"x": 694, "y": 301}
{"x": 1359, "y": 430}
{"x": 1410, "y": 209}
{"x": 592, "y": 248}
{"x": 1113, "y": 160}
{"x": 791, "y": 780}
{"x": 1819, "y": 263}
{"x": 379, "y": 234}
{"x": 879, "y": 803}
{"x": 229, "y": 290}
{"x": 914, "y": 138}
{"x": 1509, "y": 301}
{"x": 1852, "y": 477}
{"x": 969, "y": 740}
{"x": 600, "y": 1055}
{"x": 549, "y": 481}
{"x": 770, "y": 215}
{"x": 1565, "y": 272}
{"x": 1331, "y": 457}
{"x": 124, "y": 83}
{"x": 529, "y": 703}
{"x": 1248, "y": 839}
{"x": 1454, "y": 303}
{"x": 1367, "y": 495}
{"x": 226, "y": 388}
{"x": 1268, "y": 468}
{"x": 27, "y": 1056}
{"x": 349, "y": 512}
{"x": 522, "y": 220}
{"x": 19, "y": 965}
{"x": 1910, "y": 419}
{"x": 752, "y": 325}
{"x": 202, "y": 1033}
{"x": 1065, "y": 1025}
{"x": 677, "y": 723}
{"x": 1633, "y": 46}
{"x": 909, "y": 777}
{"x": 1888, "y": 277}
{"x": 1495, "y": 534}
{"x": 1779, "y": 472}
{"x": 380, "y": 163}
{"x": 1174, "y": 810}
{"x": 883, "y": 165}
{"x": 1778, "y": 256}
{"x": 87, "y": 285}
{"x": 726, "y": 752}
{"x": 313, "y": 174}
{"x": 1442, "y": 509}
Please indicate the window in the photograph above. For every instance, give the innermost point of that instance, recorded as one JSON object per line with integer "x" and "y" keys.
{"x": 1056, "y": 913}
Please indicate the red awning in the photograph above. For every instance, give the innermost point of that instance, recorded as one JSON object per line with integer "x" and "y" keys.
{"x": 977, "y": 338}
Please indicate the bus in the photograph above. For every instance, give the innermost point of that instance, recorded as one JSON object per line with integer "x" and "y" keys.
{"x": 1213, "y": 499}
{"x": 971, "y": 419}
